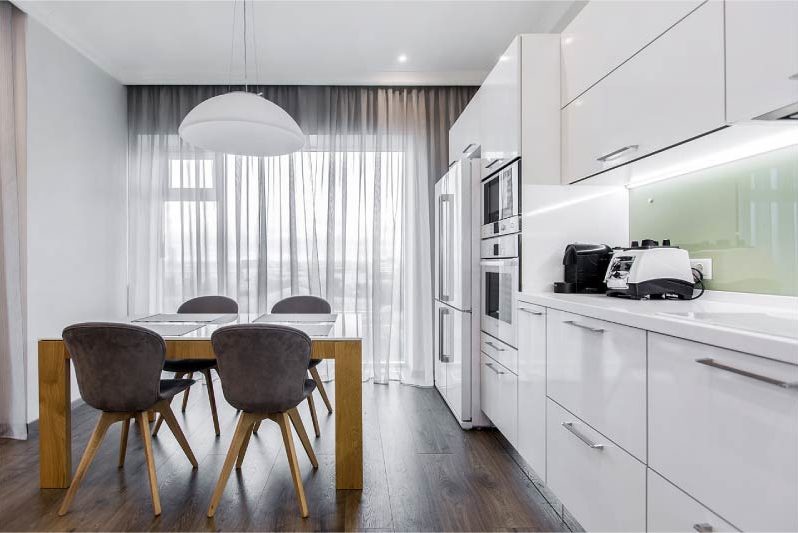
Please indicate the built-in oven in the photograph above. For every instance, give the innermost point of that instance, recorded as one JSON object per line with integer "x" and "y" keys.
{"x": 501, "y": 201}
{"x": 500, "y": 270}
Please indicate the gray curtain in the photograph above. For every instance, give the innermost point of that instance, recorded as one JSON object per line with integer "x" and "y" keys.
{"x": 13, "y": 401}
{"x": 347, "y": 218}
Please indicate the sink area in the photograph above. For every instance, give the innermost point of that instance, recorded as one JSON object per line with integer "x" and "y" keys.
{"x": 778, "y": 323}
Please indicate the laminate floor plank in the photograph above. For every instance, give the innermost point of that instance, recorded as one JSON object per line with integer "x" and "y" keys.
{"x": 421, "y": 473}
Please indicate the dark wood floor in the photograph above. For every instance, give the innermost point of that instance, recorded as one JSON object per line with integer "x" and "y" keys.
{"x": 422, "y": 472}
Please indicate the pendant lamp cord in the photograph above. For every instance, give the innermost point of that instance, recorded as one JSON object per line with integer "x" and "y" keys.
{"x": 245, "y": 47}
{"x": 232, "y": 48}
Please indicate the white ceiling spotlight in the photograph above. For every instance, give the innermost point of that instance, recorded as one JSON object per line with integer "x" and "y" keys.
{"x": 402, "y": 58}
{"x": 240, "y": 122}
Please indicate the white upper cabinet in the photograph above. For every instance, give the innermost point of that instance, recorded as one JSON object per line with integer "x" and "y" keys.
{"x": 669, "y": 92}
{"x": 761, "y": 57}
{"x": 464, "y": 135}
{"x": 605, "y": 34}
{"x": 500, "y": 106}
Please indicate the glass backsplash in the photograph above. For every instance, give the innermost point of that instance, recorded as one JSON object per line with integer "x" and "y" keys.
{"x": 743, "y": 215}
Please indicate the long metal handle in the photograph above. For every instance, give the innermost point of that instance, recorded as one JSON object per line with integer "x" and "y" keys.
{"x": 530, "y": 311}
{"x": 442, "y": 296}
{"x": 583, "y": 326}
{"x": 615, "y": 154}
{"x": 490, "y": 365}
{"x": 570, "y": 427}
{"x": 492, "y": 163}
{"x": 498, "y": 349}
{"x": 703, "y": 527}
{"x": 779, "y": 383}
{"x": 467, "y": 148}
{"x": 442, "y": 357}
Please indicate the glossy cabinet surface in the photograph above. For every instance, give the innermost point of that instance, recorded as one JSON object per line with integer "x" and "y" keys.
{"x": 500, "y": 397}
{"x": 588, "y": 54}
{"x": 500, "y": 105}
{"x": 597, "y": 370}
{"x": 532, "y": 386}
{"x": 651, "y": 102}
{"x": 464, "y": 135}
{"x": 670, "y": 509}
{"x": 761, "y": 57}
{"x": 601, "y": 485}
{"x": 727, "y": 439}
{"x": 502, "y": 352}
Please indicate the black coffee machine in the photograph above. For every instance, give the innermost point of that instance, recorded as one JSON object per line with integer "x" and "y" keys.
{"x": 584, "y": 268}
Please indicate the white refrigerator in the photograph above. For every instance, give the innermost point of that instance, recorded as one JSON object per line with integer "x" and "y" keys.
{"x": 457, "y": 291}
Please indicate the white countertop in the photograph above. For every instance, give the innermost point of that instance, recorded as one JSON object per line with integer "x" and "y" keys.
{"x": 758, "y": 324}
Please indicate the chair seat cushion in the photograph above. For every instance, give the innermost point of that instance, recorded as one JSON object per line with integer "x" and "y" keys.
{"x": 314, "y": 362}
{"x": 185, "y": 366}
{"x": 170, "y": 387}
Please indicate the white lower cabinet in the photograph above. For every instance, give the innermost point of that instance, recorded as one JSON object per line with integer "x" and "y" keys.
{"x": 597, "y": 370}
{"x": 601, "y": 485}
{"x": 499, "y": 397}
{"x": 723, "y": 427}
{"x": 670, "y": 509}
{"x": 532, "y": 386}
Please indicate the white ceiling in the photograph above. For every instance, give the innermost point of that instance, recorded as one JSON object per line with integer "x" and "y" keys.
{"x": 353, "y": 42}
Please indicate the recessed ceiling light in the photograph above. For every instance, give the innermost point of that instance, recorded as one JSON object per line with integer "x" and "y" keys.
{"x": 568, "y": 40}
{"x": 402, "y": 58}
{"x": 503, "y": 58}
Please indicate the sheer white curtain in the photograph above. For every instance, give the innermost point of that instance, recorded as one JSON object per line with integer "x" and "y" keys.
{"x": 13, "y": 410}
{"x": 347, "y": 218}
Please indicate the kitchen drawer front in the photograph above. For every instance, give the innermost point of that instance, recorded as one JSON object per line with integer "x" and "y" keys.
{"x": 728, "y": 440}
{"x": 588, "y": 55}
{"x": 671, "y": 91}
{"x": 597, "y": 370}
{"x": 532, "y": 386}
{"x": 501, "y": 352}
{"x": 670, "y": 509}
{"x": 604, "y": 488}
{"x": 500, "y": 397}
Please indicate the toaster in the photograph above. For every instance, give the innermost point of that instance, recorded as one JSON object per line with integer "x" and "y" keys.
{"x": 650, "y": 271}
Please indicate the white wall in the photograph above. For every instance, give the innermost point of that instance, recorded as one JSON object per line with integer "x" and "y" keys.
{"x": 76, "y": 194}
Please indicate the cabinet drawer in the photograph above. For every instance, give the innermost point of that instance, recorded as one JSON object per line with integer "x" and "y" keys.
{"x": 500, "y": 397}
{"x": 597, "y": 370}
{"x": 588, "y": 55}
{"x": 532, "y": 386}
{"x": 670, "y": 509}
{"x": 604, "y": 488}
{"x": 729, "y": 440}
{"x": 671, "y": 91}
{"x": 501, "y": 352}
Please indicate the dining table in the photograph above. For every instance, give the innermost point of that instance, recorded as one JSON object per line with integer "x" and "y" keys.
{"x": 336, "y": 336}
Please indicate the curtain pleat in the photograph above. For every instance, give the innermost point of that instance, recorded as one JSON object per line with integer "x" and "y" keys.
{"x": 347, "y": 218}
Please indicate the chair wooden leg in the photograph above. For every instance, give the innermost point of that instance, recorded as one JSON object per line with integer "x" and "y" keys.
{"x": 293, "y": 414}
{"x": 243, "y": 451}
{"x": 314, "y": 373}
{"x": 313, "y": 416}
{"x": 165, "y": 411}
{"x": 141, "y": 418}
{"x": 96, "y": 439}
{"x": 212, "y": 399}
{"x": 160, "y": 418}
{"x": 245, "y": 422}
{"x": 123, "y": 442}
{"x": 256, "y": 427}
{"x": 185, "y": 394}
{"x": 290, "y": 451}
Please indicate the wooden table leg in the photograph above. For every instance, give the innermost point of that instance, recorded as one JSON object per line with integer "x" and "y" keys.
{"x": 348, "y": 415}
{"x": 55, "y": 416}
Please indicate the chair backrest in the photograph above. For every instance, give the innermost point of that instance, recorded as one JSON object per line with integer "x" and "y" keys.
{"x": 209, "y": 304}
{"x": 118, "y": 366}
{"x": 302, "y": 304}
{"x": 262, "y": 366}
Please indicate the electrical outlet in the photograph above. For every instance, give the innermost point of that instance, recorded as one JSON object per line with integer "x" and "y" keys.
{"x": 703, "y": 265}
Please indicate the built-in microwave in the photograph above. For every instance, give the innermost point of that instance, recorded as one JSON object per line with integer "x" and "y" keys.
{"x": 501, "y": 201}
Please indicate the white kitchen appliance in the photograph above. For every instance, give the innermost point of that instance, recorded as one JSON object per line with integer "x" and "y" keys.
{"x": 456, "y": 290}
{"x": 501, "y": 200}
{"x": 650, "y": 272}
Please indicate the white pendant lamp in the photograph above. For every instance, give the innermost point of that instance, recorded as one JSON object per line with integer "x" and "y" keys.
{"x": 242, "y": 123}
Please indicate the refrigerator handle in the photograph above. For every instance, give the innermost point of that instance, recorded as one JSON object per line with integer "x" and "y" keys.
{"x": 443, "y": 246}
{"x": 442, "y": 357}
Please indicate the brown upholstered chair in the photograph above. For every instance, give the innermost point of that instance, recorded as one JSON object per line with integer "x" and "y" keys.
{"x": 187, "y": 367}
{"x": 118, "y": 368}
{"x": 308, "y": 304}
{"x": 263, "y": 370}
